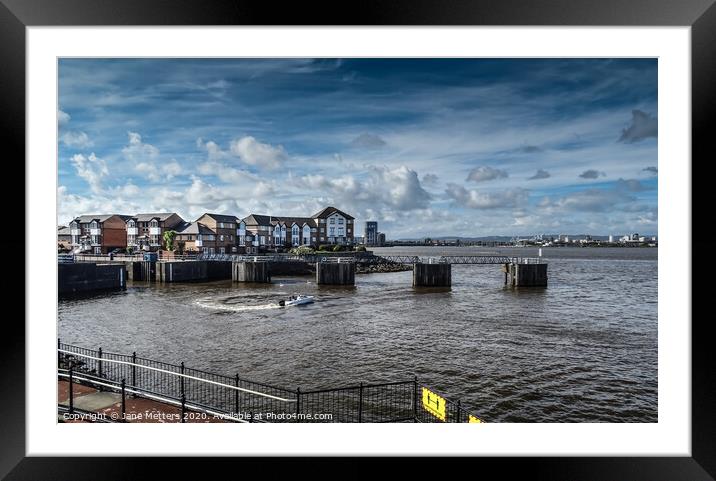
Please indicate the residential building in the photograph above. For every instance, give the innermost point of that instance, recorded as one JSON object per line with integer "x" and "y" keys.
{"x": 99, "y": 234}
{"x": 371, "y": 233}
{"x": 225, "y": 228}
{"x": 64, "y": 238}
{"x": 195, "y": 237}
{"x": 146, "y": 231}
{"x": 381, "y": 239}
{"x": 329, "y": 226}
{"x": 334, "y": 226}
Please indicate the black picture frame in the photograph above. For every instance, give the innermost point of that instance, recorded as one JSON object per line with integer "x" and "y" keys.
{"x": 16, "y": 15}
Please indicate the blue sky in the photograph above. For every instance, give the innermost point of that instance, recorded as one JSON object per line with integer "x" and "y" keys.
{"x": 469, "y": 147}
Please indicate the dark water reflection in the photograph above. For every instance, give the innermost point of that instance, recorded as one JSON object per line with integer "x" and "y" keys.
{"x": 582, "y": 350}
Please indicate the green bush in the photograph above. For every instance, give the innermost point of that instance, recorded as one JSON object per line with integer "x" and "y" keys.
{"x": 337, "y": 248}
{"x": 299, "y": 251}
{"x": 360, "y": 248}
{"x": 325, "y": 247}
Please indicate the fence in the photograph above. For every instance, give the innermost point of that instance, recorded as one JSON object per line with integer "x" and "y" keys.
{"x": 244, "y": 400}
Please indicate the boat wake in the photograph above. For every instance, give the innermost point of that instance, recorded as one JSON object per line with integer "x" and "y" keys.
{"x": 221, "y": 305}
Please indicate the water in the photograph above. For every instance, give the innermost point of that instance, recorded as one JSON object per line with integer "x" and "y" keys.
{"x": 582, "y": 350}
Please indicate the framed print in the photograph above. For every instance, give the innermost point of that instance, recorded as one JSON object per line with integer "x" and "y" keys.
{"x": 418, "y": 231}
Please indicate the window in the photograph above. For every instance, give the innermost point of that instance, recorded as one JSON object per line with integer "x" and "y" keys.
{"x": 321, "y": 221}
{"x": 333, "y": 220}
{"x": 340, "y": 221}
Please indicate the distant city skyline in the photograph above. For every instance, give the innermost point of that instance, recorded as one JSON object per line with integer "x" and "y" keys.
{"x": 426, "y": 147}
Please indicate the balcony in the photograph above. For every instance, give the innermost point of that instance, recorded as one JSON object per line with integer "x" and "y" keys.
{"x": 155, "y": 230}
{"x": 95, "y": 231}
{"x": 132, "y": 231}
{"x": 75, "y": 232}
{"x": 199, "y": 242}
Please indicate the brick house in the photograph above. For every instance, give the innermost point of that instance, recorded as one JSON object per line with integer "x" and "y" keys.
{"x": 225, "y": 228}
{"x": 146, "y": 231}
{"x": 98, "y": 234}
{"x": 196, "y": 238}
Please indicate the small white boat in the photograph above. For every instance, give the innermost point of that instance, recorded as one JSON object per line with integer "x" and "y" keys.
{"x": 296, "y": 300}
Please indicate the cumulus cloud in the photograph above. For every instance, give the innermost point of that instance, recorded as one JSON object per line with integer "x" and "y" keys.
{"x": 92, "y": 169}
{"x": 76, "y": 139}
{"x": 485, "y": 173}
{"x": 159, "y": 172}
{"x": 642, "y": 126}
{"x": 651, "y": 170}
{"x": 368, "y": 141}
{"x": 212, "y": 149}
{"x": 398, "y": 188}
{"x": 540, "y": 174}
{"x": 63, "y": 118}
{"x": 137, "y": 150}
{"x": 592, "y": 174}
{"x": 261, "y": 155}
{"x": 486, "y": 200}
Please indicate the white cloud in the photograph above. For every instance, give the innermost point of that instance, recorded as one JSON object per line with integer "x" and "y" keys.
{"x": 137, "y": 150}
{"x": 485, "y": 173}
{"x": 63, "y": 118}
{"x": 486, "y": 200}
{"x": 92, "y": 169}
{"x": 76, "y": 139}
{"x": 253, "y": 152}
{"x": 397, "y": 189}
{"x": 157, "y": 171}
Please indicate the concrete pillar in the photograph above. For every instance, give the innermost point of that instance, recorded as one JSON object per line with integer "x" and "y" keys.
{"x": 336, "y": 273}
{"x": 81, "y": 277}
{"x": 528, "y": 275}
{"x": 251, "y": 272}
{"x": 432, "y": 275}
{"x": 181, "y": 271}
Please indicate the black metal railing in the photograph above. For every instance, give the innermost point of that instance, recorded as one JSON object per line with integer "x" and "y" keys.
{"x": 239, "y": 399}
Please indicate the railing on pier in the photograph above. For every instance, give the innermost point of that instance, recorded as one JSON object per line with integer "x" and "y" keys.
{"x": 242, "y": 400}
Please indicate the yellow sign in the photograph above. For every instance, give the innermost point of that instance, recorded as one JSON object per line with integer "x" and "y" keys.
{"x": 473, "y": 419}
{"x": 434, "y": 404}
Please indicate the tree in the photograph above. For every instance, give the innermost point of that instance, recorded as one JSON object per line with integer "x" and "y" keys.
{"x": 180, "y": 246}
{"x": 169, "y": 239}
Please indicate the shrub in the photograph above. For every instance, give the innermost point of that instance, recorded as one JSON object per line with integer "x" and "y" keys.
{"x": 299, "y": 251}
{"x": 337, "y": 248}
{"x": 360, "y": 248}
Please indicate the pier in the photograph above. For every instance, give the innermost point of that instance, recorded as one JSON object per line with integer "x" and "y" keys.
{"x": 336, "y": 273}
{"x": 329, "y": 268}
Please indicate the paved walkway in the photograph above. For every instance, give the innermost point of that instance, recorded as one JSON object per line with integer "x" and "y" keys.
{"x": 137, "y": 410}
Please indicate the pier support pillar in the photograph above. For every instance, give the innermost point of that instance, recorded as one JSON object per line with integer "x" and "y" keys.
{"x": 432, "y": 275}
{"x": 251, "y": 272}
{"x": 336, "y": 273}
{"x": 528, "y": 275}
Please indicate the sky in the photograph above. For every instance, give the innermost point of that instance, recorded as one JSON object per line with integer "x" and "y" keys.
{"x": 426, "y": 147}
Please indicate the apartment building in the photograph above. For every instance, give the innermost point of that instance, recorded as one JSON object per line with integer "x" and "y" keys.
{"x": 329, "y": 226}
{"x": 146, "y": 231}
{"x": 195, "y": 237}
{"x": 370, "y": 234}
{"x": 99, "y": 234}
{"x": 225, "y": 228}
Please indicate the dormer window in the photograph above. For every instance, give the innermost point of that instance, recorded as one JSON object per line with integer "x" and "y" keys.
{"x": 130, "y": 223}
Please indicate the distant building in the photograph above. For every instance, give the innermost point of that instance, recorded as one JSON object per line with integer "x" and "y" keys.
{"x": 611, "y": 239}
{"x": 370, "y": 235}
{"x": 381, "y": 239}
{"x": 64, "y": 238}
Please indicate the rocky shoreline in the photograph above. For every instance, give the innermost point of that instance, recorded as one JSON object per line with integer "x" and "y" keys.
{"x": 378, "y": 268}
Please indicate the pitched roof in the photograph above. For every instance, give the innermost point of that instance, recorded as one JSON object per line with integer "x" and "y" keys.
{"x": 298, "y": 220}
{"x": 63, "y": 230}
{"x": 147, "y": 217}
{"x": 193, "y": 228}
{"x": 221, "y": 217}
{"x": 83, "y": 219}
{"x": 331, "y": 210}
{"x": 257, "y": 219}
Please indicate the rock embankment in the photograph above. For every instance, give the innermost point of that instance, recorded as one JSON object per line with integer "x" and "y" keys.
{"x": 376, "y": 268}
